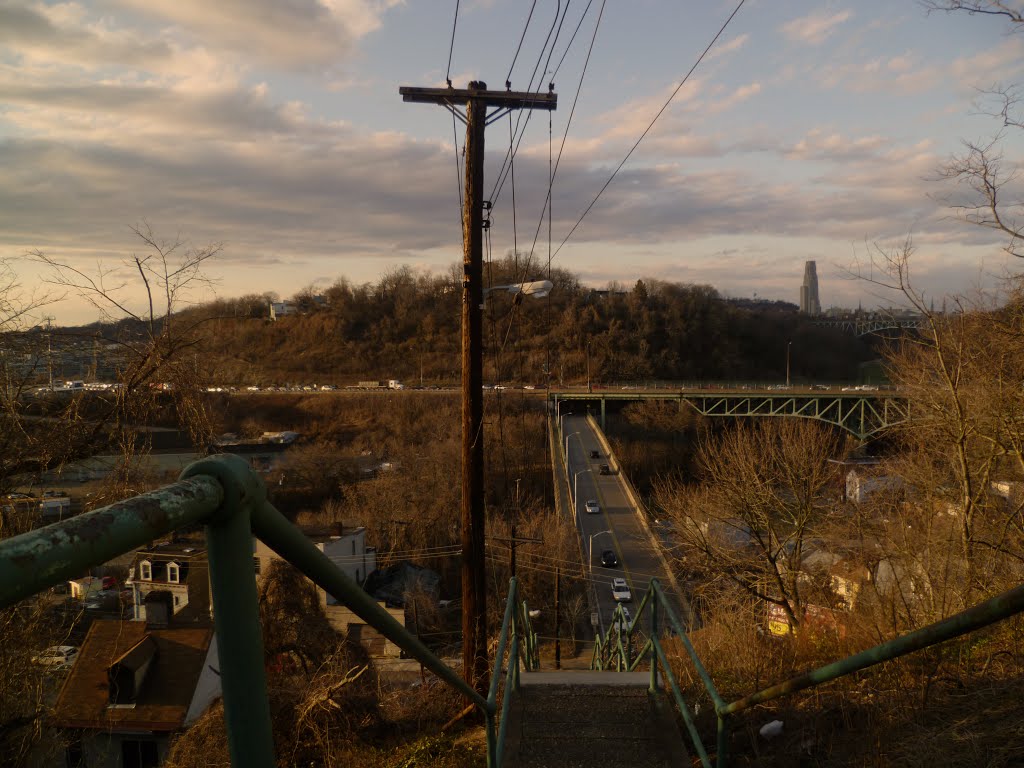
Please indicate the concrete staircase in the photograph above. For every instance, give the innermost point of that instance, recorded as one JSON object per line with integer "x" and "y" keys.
{"x": 582, "y": 718}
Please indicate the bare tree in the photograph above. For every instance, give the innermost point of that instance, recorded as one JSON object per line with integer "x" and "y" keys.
{"x": 158, "y": 342}
{"x": 765, "y": 491}
{"x": 962, "y": 374}
{"x": 985, "y": 7}
{"x": 981, "y": 167}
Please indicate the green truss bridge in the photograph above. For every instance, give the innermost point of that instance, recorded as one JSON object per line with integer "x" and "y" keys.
{"x": 862, "y": 413}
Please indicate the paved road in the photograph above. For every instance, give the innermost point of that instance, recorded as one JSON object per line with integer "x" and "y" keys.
{"x": 616, "y": 527}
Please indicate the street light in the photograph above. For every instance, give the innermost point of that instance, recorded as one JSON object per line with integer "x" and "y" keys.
{"x": 788, "y": 345}
{"x": 577, "y": 434}
{"x": 576, "y": 488}
{"x": 538, "y": 289}
{"x": 592, "y": 537}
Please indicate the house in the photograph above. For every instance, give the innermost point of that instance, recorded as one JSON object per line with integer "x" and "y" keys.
{"x": 179, "y": 568}
{"x": 346, "y": 548}
{"x": 133, "y": 686}
{"x": 860, "y": 485}
{"x": 282, "y": 309}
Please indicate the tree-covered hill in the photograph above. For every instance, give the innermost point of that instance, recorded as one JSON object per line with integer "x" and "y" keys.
{"x": 406, "y": 326}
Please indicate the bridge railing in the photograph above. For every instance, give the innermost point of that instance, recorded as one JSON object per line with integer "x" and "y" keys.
{"x": 229, "y": 498}
{"x": 614, "y": 651}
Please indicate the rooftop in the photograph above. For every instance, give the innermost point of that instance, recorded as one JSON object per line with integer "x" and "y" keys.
{"x": 164, "y": 699}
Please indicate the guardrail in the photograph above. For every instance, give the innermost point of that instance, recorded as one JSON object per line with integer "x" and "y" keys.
{"x": 225, "y": 494}
{"x": 614, "y": 651}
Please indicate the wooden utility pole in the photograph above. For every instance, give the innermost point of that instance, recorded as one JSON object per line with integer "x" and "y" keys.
{"x": 558, "y": 619}
{"x": 476, "y": 99}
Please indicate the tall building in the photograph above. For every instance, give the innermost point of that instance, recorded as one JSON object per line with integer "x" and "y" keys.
{"x": 809, "y": 303}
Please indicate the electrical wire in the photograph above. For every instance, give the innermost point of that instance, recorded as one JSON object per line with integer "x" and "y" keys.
{"x": 495, "y": 191}
{"x": 451, "y": 48}
{"x": 522, "y": 37}
{"x": 552, "y": 173}
{"x": 572, "y": 39}
{"x": 650, "y": 126}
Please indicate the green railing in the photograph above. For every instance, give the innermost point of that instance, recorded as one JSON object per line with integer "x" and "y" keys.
{"x": 614, "y": 651}
{"x": 229, "y": 498}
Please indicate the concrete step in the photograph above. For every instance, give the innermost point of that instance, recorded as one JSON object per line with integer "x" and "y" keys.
{"x": 581, "y": 718}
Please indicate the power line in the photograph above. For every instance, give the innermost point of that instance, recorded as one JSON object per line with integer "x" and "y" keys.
{"x": 451, "y": 48}
{"x": 650, "y": 126}
{"x": 573, "y": 38}
{"x": 495, "y": 191}
{"x": 554, "y": 172}
{"x": 515, "y": 58}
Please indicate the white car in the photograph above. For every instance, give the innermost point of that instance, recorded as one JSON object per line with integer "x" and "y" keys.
{"x": 628, "y": 620}
{"x": 620, "y": 590}
{"x": 592, "y": 507}
{"x": 57, "y": 657}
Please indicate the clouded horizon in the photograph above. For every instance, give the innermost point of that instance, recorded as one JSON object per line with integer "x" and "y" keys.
{"x": 811, "y": 131}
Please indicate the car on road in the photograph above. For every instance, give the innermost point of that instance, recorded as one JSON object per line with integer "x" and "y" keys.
{"x": 620, "y": 590}
{"x": 609, "y": 558}
{"x": 595, "y": 454}
{"x": 604, "y": 469}
{"x": 618, "y": 623}
{"x": 57, "y": 657}
{"x": 592, "y": 507}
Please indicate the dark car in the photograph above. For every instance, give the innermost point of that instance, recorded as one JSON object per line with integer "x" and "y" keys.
{"x": 608, "y": 558}
{"x": 595, "y": 454}
{"x": 604, "y": 469}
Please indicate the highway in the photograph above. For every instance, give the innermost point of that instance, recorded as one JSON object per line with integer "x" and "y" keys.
{"x": 616, "y": 526}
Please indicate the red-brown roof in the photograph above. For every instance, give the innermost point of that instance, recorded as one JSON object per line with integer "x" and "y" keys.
{"x": 165, "y": 697}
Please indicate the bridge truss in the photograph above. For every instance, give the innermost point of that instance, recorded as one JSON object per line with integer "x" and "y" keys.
{"x": 863, "y": 326}
{"x": 862, "y": 414}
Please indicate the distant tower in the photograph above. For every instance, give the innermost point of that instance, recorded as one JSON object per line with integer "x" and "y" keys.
{"x": 809, "y": 303}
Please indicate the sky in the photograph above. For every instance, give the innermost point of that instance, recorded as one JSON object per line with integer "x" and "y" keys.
{"x": 275, "y": 129}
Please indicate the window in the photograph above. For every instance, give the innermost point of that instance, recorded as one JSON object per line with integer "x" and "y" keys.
{"x": 146, "y": 570}
{"x": 177, "y": 601}
{"x": 139, "y": 754}
{"x": 172, "y": 572}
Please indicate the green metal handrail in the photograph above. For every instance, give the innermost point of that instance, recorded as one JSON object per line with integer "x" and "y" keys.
{"x": 989, "y": 612}
{"x": 225, "y": 494}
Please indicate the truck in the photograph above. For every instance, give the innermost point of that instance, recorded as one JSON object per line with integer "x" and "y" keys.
{"x": 389, "y": 384}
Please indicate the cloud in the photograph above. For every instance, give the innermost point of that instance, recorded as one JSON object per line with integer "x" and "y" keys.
{"x": 815, "y": 28}
{"x": 296, "y": 34}
{"x": 732, "y": 46}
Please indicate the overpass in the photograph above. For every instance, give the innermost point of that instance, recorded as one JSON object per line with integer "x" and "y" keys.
{"x": 862, "y": 413}
{"x": 862, "y": 326}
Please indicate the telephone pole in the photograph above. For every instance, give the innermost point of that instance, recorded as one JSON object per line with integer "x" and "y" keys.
{"x": 476, "y": 100}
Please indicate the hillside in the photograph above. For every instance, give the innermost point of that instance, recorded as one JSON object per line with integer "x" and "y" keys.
{"x": 407, "y": 326}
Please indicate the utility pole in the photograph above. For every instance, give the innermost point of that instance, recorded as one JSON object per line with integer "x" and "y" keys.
{"x": 558, "y": 619}
{"x": 49, "y": 348}
{"x": 476, "y": 99}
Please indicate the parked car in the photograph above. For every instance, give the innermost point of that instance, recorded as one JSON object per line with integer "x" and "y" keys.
{"x": 57, "y": 657}
{"x": 604, "y": 469}
{"x": 620, "y": 590}
{"x": 592, "y": 507}
{"x": 609, "y": 559}
{"x": 595, "y": 454}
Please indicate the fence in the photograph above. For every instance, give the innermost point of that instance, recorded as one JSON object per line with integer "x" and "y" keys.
{"x": 229, "y": 498}
{"x": 617, "y": 650}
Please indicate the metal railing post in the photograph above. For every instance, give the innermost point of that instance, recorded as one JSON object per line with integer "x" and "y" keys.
{"x": 38, "y": 559}
{"x": 236, "y": 611}
{"x": 654, "y": 639}
{"x": 721, "y": 749}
